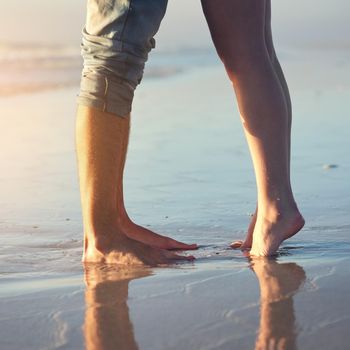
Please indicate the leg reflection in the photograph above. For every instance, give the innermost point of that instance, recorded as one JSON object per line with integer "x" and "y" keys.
{"x": 278, "y": 284}
{"x": 107, "y": 322}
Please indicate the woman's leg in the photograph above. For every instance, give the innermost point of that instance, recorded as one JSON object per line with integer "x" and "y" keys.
{"x": 238, "y": 31}
{"x": 247, "y": 243}
{"x": 278, "y": 284}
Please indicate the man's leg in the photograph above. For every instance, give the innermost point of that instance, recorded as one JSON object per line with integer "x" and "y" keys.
{"x": 138, "y": 232}
{"x": 108, "y": 324}
{"x": 116, "y": 41}
{"x": 237, "y": 28}
{"x": 101, "y": 145}
{"x": 247, "y": 243}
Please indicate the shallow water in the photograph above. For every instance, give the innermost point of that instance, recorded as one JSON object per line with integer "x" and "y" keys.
{"x": 223, "y": 301}
{"x": 196, "y": 185}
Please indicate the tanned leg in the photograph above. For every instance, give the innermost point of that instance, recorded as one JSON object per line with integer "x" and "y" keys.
{"x": 108, "y": 325}
{"x": 138, "y": 232}
{"x": 247, "y": 243}
{"x": 101, "y": 142}
{"x": 238, "y": 31}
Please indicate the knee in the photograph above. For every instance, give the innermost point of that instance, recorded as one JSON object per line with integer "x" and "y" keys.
{"x": 242, "y": 59}
{"x": 271, "y": 51}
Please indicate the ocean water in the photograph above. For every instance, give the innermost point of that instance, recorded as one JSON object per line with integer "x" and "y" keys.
{"x": 189, "y": 176}
{"x": 197, "y": 185}
{"x": 34, "y": 67}
{"x": 38, "y": 52}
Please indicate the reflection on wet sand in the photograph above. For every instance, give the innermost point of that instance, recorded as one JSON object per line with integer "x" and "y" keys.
{"x": 108, "y": 326}
{"x": 278, "y": 284}
{"x": 107, "y": 322}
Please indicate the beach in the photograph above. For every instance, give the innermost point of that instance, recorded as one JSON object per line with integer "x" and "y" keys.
{"x": 188, "y": 175}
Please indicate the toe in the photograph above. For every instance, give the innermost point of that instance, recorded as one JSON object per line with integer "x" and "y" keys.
{"x": 182, "y": 246}
{"x": 191, "y": 246}
{"x": 236, "y": 244}
{"x": 173, "y": 256}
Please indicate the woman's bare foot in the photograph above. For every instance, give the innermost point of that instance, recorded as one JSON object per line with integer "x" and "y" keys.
{"x": 143, "y": 235}
{"x": 277, "y": 281}
{"x": 278, "y": 284}
{"x": 272, "y": 228}
{"x": 117, "y": 248}
{"x": 247, "y": 243}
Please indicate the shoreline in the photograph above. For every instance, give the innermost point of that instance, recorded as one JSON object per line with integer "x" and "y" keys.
{"x": 197, "y": 185}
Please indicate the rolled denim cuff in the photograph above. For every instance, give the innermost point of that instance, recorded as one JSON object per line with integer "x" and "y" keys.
{"x": 117, "y": 38}
{"x": 112, "y": 70}
{"x": 106, "y": 93}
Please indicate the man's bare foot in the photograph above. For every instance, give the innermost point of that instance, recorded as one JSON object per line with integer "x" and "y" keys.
{"x": 273, "y": 228}
{"x": 121, "y": 250}
{"x": 247, "y": 243}
{"x": 143, "y": 235}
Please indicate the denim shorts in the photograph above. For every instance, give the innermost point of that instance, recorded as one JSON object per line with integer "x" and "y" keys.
{"x": 117, "y": 38}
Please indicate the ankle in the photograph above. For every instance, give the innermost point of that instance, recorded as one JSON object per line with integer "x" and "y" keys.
{"x": 97, "y": 241}
{"x": 277, "y": 209}
{"x": 100, "y": 233}
{"x": 105, "y": 220}
{"x": 121, "y": 218}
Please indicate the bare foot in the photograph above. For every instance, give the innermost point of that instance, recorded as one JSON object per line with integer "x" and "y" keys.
{"x": 272, "y": 229}
{"x": 121, "y": 250}
{"x": 143, "y": 235}
{"x": 107, "y": 323}
{"x": 247, "y": 243}
{"x": 278, "y": 284}
{"x": 277, "y": 281}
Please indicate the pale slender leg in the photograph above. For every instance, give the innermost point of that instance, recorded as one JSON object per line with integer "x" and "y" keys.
{"x": 247, "y": 243}
{"x": 278, "y": 284}
{"x": 238, "y": 31}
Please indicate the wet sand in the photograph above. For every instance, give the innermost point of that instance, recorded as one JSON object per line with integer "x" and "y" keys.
{"x": 189, "y": 176}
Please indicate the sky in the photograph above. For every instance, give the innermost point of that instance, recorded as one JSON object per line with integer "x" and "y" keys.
{"x": 320, "y": 23}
